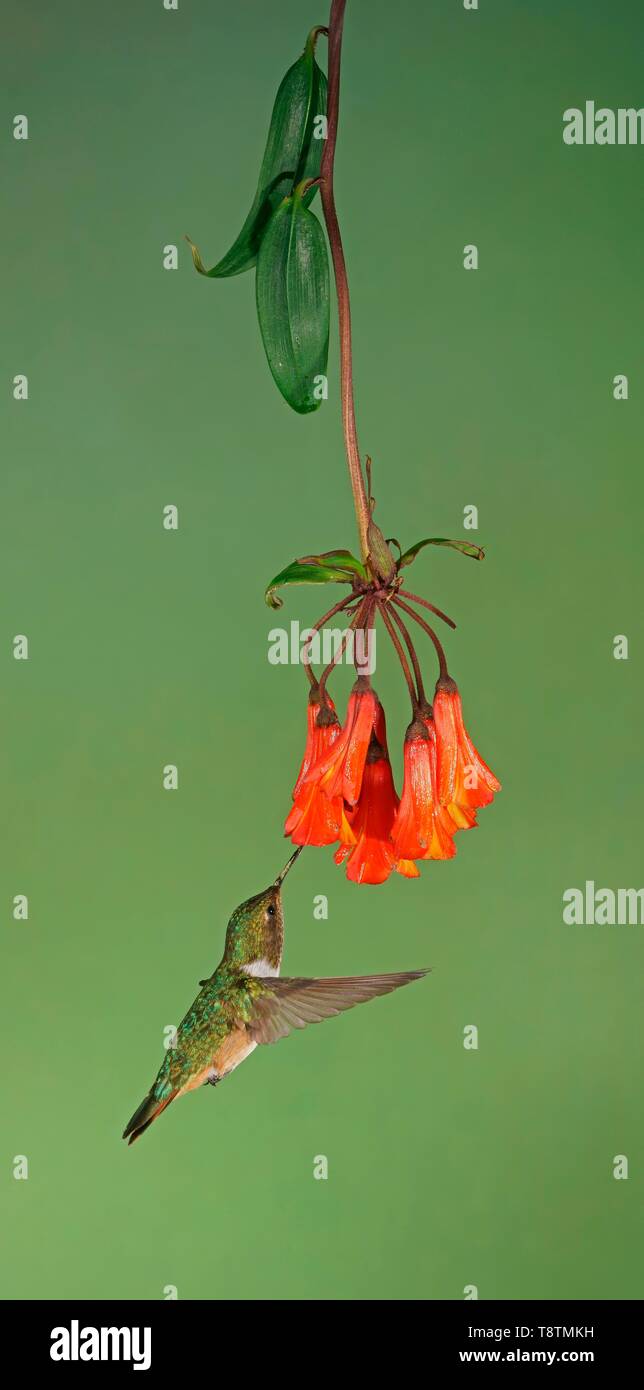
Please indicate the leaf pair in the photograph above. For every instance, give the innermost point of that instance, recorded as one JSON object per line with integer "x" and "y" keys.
{"x": 286, "y": 241}
{"x": 292, "y": 154}
{"x": 340, "y": 566}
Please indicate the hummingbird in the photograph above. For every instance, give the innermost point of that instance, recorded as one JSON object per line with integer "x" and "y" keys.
{"x": 245, "y": 1002}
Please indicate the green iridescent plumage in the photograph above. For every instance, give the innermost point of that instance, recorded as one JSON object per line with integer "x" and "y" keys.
{"x": 224, "y": 1002}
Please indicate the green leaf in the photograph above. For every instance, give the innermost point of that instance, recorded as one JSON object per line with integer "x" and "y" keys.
{"x": 475, "y": 552}
{"x": 292, "y": 154}
{"x": 303, "y": 572}
{"x": 338, "y": 559}
{"x": 293, "y": 301}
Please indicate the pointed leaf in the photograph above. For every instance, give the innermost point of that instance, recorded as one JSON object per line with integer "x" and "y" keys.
{"x": 475, "y": 552}
{"x": 299, "y": 573}
{"x": 339, "y": 559}
{"x": 293, "y": 302}
{"x": 292, "y": 154}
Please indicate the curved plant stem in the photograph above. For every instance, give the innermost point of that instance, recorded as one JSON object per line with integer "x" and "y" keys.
{"x": 355, "y": 621}
{"x": 415, "y": 598}
{"x": 314, "y": 35}
{"x": 326, "y": 617}
{"x": 361, "y": 504}
{"x": 366, "y": 624}
{"x": 412, "y": 651}
{"x": 413, "y": 694}
{"x": 440, "y": 651}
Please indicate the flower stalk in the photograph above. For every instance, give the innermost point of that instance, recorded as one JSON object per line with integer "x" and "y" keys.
{"x": 360, "y": 501}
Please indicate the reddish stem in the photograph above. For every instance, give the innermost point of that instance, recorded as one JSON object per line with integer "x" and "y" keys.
{"x": 356, "y": 619}
{"x": 438, "y": 611}
{"x": 413, "y": 694}
{"x": 366, "y": 624}
{"x": 337, "y": 608}
{"x": 336, "y": 22}
{"x": 412, "y": 652}
{"x": 440, "y": 651}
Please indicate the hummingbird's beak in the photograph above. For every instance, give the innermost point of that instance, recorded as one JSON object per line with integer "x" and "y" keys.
{"x": 280, "y": 877}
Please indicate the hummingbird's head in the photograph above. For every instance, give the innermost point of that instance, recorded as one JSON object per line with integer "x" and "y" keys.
{"x": 255, "y": 932}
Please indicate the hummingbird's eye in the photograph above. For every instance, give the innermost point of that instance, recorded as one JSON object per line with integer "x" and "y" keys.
{"x": 270, "y": 910}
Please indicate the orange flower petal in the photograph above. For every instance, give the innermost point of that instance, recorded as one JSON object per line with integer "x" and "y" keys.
{"x": 464, "y": 780}
{"x": 314, "y": 818}
{"x": 407, "y": 868}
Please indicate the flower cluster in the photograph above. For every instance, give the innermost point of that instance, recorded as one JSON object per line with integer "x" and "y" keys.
{"x": 345, "y": 791}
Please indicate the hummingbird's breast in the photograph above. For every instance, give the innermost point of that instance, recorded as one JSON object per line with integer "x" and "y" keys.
{"x": 228, "y": 1054}
{"x": 233, "y": 1050}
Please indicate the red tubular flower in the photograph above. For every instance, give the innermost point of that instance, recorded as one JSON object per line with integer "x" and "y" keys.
{"x": 448, "y": 819}
{"x": 464, "y": 780}
{"x": 422, "y": 829}
{"x": 315, "y": 818}
{"x": 365, "y": 841}
{"x": 412, "y": 829}
{"x": 339, "y": 770}
{"x": 322, "y": 730}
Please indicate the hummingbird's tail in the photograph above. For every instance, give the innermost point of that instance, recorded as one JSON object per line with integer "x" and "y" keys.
{"x": 143, "y": 1117}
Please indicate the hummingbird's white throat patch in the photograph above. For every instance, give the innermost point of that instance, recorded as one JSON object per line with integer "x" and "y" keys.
{"x": 260, "y": 968}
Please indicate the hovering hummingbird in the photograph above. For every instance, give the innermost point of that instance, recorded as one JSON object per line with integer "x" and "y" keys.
{"x": 244, "y": 1002}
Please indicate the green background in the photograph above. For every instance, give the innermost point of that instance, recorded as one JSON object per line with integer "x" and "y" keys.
{"x": 447, "y": 1167}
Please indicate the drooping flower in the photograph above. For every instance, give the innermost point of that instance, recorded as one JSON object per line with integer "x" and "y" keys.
{"x": 464, "y": 781}
{"x": 339, "y": 770}
{"x": 412, "y": 828}
{"x": 322, "y": 730}
{"x": 315, "y": 818}
{"x": 422, "y": 829}
{"x": 365, "y": 842}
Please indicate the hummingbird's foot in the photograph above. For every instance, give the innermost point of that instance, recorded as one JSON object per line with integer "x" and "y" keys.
{"x": 212, "y": 1080}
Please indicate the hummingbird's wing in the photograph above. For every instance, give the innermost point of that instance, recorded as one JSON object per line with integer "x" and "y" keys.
{"x": 285, "y": 1004}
